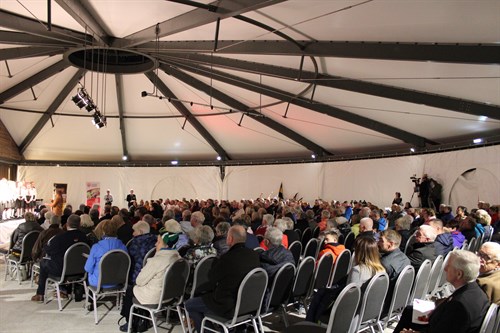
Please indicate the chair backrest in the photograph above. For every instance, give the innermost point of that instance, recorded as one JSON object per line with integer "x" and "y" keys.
{"x": 304, "y": 277}
{"x": 151, "y": 253}
{"x": 298, "y": 232}
{"x": 306, "y": 237}
{"x": 409, "y": 243}
{"x": 442, "y": 275}
{"x": 323, "y": 271}
{"x": 281, "y": 288}
{"x": 200, "y": 277}
{"x": 402, "y": 291}
{"x": 259, "y": 249}
{"x": 250, "y": 294}
{"x": 349, "y": 241}
{"x": 341, "y": 267}
{"x": 311, "y": 248}
{"x": 344, "y": 309}
{"x": 472, "y": 244}
{"x": 114, "y": 268}
{"x": 436, "y": 269}
{"x": 489, "y": 321}
{"x": 74, "y": 261}
{"x": 316, "y": 231}
{"x": 296, "y": 249}
{"x": 28, "y": 243}
{"x": 174, "y": 282}
{"x": 420, "y": 284}
{"x": 373, "y": 298}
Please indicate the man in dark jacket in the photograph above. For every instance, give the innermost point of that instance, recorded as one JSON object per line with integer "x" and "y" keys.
{"x": 276, "y": 255}
{"x": 424, "y": 247}
{"x": 464, "y": 310}
{"x": 393, "y": 260}
{"x": 16, "y": 239}
{"x": 225, "y": 278}
{"x": 444, "y": 240}
{"x": 55, "y": 250}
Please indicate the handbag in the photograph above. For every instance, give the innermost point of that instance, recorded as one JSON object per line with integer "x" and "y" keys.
{"x": 140, "y": 324}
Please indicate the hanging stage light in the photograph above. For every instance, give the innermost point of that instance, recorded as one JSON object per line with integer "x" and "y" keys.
{"x": 81, "y": 98}
{"x": 99, "y": 120}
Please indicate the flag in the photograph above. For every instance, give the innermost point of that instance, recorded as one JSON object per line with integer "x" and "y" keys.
{"x": 280, "y": 192}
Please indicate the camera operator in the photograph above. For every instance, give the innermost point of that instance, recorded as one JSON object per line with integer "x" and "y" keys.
{"x": 425, "y": 187}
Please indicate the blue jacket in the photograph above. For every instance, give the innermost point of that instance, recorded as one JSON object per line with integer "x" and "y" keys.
{"x": 96, "y": 252}
{"x": 137, "y": 249}
{"x": 444, "y": 244}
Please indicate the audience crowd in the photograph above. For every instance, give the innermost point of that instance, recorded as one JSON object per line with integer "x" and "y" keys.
{"x": 232, "y": 230}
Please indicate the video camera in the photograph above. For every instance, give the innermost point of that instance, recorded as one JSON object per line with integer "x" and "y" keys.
{"x": 415, "y": 180}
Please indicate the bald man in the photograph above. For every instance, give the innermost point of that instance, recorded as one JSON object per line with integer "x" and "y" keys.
{"x": 225, "y": 278}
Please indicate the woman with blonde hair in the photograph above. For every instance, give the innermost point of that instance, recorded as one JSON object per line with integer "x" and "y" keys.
{"x": 366, "y": 260}
{"x": 367, "y": 264}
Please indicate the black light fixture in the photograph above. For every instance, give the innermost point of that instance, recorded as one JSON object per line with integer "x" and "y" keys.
{"x": 99, "y": 120}
{"x": 81, "y": 99}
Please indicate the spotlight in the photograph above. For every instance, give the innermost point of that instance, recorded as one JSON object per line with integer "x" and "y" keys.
{"x": 477, "y": 141}
{"x": 81, "y": 98}
{"x": 219, "y": 158}
{"x": 313, "y": 156}
{"x": 99, "y": 121}
{"x": 483, "y": 118}
{"x": 412, "y": 150}
{"x": 174, "y": 162}
{"x": 124, "y": 157}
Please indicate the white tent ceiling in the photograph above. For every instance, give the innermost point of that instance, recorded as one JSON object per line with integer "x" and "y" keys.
{"x": 353, "y": 78}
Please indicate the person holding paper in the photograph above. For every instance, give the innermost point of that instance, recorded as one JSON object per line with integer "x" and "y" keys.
{"x": 464, "y": 310}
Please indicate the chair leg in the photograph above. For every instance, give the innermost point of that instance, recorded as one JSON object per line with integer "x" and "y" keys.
{"x": 58, "y": 291}
{"x": 285, "y": 316}
{"x": 255, "y": 326}
{"x": 260, "y": 324}
{"x": 130, "y": 318}
{"x": 153, "y": 319}
{"x": 94, "y": 299}
{"x": 179, "y": 313}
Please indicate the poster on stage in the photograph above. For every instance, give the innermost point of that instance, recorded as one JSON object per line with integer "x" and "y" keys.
{"x": 93, "y": 193}
{"x": 64, "y": 191}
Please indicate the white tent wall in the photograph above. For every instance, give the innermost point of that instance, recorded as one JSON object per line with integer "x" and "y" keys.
{"x": 373, "y": 180}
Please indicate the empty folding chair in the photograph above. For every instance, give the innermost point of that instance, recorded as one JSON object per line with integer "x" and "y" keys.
{"x": 322, "y": 272}
{"x": 303, "y": 280}
{"x": 434, "y": 276}
{"x": 296, "y": 249}
{"x": 311, "y": 249}
{"x": 490, "y": 320}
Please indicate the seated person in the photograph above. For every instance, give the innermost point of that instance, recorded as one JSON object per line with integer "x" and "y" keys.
{"x": 54, "y": 229}
{"x": 16, "y": 239}
{"x": 331, "y": 244}
{"x": 173, "y": 227}
{"x": 276, "y": 255}
{"x": 393, "y": 260}
{"x": 225, "y": 278}
{"x": 452, "y": 228}
{"x": 489, "y": 270}
{"x": 424, "y": 247}
{"x": 108, "y": 242}
{"x": 281, "y": 225}
{"x": 444, "y": 240}
{"x": 55, "y": 249}
{"x": 464, "y": 310}
{"x": 142, "y": 242}
{"x": 366, "y": 265}
{"x": 201, "y": 238}
{"x": 149, "y": 282}
{"x": 220, "y": 244}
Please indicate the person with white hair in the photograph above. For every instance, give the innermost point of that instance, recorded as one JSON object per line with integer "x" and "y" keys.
{"x": 483, "y": 218}
{"x": 277, "y": 255}
{"x": 424, "y": 246}
{"x": 464, "y": 310}
{"x": 489, "y": 277}
{"x": 267, "y": 221}
{"x": 143, "y": 241}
